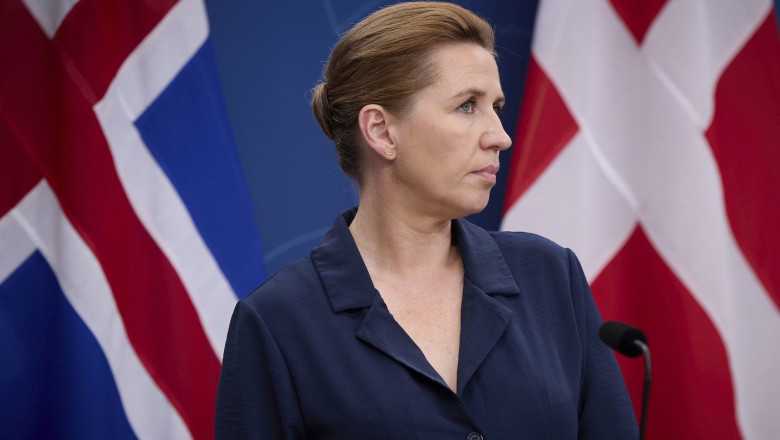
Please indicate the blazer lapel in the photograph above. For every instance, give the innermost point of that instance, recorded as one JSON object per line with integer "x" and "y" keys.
{"x": 483, "y": 318}
{"x": 349, "y": 289}
{"x": 483, "y": 321}
{"x": 380, "y": 330}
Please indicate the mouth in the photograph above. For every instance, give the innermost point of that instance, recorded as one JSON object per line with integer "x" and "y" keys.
{"x": 488, "y": 173}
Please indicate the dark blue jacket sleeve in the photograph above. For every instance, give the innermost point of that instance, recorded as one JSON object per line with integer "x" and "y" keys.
{"x": 605, "y": 410}
{"x": 256, "y": 397}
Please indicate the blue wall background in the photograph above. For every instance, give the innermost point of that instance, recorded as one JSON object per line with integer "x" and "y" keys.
{"x": 269, "y": 55}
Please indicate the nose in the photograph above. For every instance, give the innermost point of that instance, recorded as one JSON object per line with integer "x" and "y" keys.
{"x": 494, "y": 136}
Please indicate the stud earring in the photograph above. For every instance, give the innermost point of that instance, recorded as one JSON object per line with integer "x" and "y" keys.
{"x": 389, "y": 153}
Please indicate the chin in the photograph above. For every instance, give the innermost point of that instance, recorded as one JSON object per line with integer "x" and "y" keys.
{"x": 473, "y": 205}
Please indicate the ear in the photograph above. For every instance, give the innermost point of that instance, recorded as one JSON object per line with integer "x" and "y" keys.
{"x": 374, "y": 123}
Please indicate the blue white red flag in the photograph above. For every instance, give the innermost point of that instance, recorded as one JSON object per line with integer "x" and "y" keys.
{"x": 649, "y": 143}
{"x": 126, "y": 231}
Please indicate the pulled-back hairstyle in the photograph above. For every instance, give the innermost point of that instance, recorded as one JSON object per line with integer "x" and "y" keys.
{"x": 383, "y": 60}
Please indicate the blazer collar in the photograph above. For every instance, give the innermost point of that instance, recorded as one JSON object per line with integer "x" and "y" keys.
{"x": 484, "y": 263}
{"x": 348, "y": 284}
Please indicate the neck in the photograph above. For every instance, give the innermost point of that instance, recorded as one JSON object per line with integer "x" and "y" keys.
{"x": 395, "y": 240}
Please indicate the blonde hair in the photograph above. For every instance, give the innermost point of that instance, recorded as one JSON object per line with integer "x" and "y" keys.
{"x": 383, "y": 60}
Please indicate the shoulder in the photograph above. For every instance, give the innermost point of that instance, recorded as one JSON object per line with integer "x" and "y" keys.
{"x": 287, "y": 290}
{"x": 525, "y": 254}
{"x": 526, "y": 242}
{"x": 538, "y": 263}
{"x": 532, "y": 251}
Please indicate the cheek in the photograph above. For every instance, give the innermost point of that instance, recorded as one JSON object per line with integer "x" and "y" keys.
{"x": 441, "y": 151}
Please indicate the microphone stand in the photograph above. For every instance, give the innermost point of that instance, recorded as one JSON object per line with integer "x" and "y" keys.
{"x": 646, "y": 390}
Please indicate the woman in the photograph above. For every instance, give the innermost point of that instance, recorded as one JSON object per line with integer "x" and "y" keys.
{"x": 407, "y": 321}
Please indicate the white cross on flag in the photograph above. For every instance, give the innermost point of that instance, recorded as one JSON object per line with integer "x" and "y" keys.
{"x": 126, "y": 232}
{"x": 649, "y": 143}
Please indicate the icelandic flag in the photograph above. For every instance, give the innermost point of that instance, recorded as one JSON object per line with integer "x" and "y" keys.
{"x": 126, "y": 231}
{"x": 649, "y": 143}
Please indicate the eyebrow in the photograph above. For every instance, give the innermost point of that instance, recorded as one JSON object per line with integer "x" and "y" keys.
{"x": 479, "y": 94}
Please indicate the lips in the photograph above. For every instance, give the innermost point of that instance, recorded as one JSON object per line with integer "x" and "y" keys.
{"x": 492, "y": 169}
{"x": 488, "y": 173}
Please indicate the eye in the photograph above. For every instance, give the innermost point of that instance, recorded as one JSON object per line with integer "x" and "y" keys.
{"x": 468, "y": 106}
{"x": 498, "y": 109}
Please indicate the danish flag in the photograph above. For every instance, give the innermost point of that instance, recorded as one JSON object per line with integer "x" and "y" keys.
{"x": 126, "y": 232}
{"x": 649, "y": 143}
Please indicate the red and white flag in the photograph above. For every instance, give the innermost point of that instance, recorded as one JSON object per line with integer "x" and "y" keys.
{"x": 649, "y": 143}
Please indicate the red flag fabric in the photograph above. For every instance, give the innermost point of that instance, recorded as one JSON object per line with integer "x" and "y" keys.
{"x": 649, "y": 143}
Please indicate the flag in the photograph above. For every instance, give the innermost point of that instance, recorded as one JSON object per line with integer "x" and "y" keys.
{"x": 126, "y": 231}
{"x": 649, "y": 143}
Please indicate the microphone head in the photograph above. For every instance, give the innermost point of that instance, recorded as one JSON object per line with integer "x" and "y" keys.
{"x": 620, "y": 337}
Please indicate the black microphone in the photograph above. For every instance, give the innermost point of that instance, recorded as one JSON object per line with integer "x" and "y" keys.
{"x": 620, "y": 337}
{"x": 631, "y": 342}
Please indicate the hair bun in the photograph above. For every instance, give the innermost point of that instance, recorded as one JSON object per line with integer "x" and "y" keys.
{"x": 321, "y": 108}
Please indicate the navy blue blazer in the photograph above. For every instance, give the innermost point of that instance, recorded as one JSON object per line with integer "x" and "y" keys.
{"x": 314, "y": 353}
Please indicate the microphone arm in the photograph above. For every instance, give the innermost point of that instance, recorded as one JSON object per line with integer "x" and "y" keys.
{"x": 646, "y": 389}
{"x": 631, "y": 342}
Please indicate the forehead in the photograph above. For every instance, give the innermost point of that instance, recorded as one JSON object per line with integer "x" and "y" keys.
{"x": 465, "y": 65}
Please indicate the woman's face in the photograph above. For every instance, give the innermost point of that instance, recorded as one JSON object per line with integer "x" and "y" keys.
{"x": 448, "y": 142}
